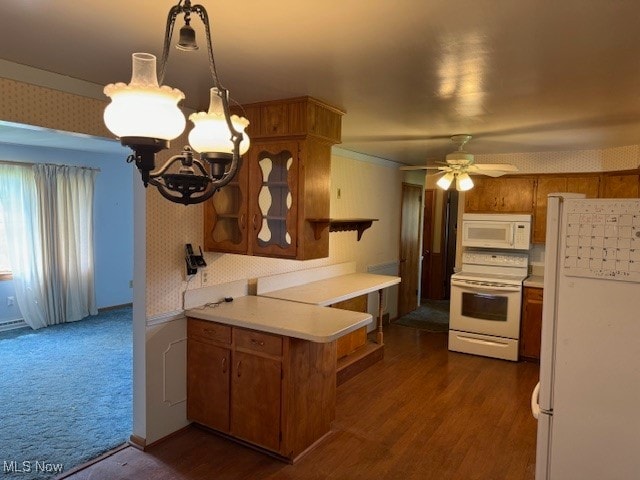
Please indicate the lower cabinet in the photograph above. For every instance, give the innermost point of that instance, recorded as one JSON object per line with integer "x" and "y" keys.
{"x": 531, "y": 323}
{"x": 275, "y": 392}
{"x": 350, "y": 342}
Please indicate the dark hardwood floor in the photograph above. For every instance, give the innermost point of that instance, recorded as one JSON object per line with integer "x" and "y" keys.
{"x": 421, "y": 413}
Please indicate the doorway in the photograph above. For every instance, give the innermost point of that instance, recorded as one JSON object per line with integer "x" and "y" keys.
{"x": 439, "y": 243}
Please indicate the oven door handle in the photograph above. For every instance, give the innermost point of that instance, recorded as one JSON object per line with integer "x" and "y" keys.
{"x": 486, "y": 288}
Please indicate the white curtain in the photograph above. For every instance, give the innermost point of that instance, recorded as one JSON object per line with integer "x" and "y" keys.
{"x": 49, "y": 214}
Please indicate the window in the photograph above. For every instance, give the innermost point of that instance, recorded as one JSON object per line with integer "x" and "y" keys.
{"x": 5, "y": 268}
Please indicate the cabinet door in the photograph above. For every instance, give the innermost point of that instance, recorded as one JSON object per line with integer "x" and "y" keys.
{"x": 516, "y": 195}
{"x": 352, "y": 341}
{"x": 484, "y": 196}
{"x": 225, "y": 215}
{"x": 620, "y": 186}
{"x": 546, "y": 185}
{"x": 531, "y": 328}
{"x": 208, "y": 384}
{"x": 273, "y": 177}
{"x": 256, "y": 399}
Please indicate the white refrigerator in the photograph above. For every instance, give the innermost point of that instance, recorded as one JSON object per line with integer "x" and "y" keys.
{"x": 588, "y": 400}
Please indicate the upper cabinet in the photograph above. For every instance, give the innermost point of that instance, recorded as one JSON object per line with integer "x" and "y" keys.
{"x": 620, "y": 185}
{"x": 283, "y": 181}
{"x": 588, "y": 184}
{"x": 501, "y": 195}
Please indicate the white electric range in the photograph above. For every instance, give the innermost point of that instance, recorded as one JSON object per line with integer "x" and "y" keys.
{"x": 486, "y": 299}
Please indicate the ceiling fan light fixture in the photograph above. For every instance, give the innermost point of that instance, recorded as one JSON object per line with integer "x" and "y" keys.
{"x": 444, "y": 182}
{"x": 463, "y": 182}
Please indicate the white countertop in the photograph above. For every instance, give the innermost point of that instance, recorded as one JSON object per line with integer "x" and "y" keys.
{"x": 291, "y": 319}
{"x": 536, "y": 281}
{"x": 335, "y": 289}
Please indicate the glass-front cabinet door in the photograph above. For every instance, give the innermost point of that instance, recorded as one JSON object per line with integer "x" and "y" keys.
{"x": 226, "y": 215}
{"x": 273, "y": 211}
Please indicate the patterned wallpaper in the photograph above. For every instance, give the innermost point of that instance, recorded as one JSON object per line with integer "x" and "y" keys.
{"x": 44, "y": 107}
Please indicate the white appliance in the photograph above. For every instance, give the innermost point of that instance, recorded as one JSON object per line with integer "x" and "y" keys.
{"x": 486, "y": 298}
{"x": 588, "y": 400}
{"x": 496, "y": 230}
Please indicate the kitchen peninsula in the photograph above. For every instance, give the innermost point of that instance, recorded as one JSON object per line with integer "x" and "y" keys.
{"x": 262, "y": 371}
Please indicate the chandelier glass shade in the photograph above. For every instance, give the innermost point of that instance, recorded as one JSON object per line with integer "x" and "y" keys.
{"x": 145, "y": 116}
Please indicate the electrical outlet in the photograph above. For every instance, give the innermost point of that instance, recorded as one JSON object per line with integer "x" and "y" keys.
{"x": 205, "y": 277}
{"x": 10, "y": 301}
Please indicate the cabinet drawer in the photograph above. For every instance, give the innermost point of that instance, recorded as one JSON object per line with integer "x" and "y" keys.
{"x": 205, "y": 330}
{"x": 257, "y": 341}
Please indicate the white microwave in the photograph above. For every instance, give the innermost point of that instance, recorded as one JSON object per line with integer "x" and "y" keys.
{"x": 496, "y": 230}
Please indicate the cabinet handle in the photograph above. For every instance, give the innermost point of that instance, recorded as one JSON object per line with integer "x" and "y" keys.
{"x": 208, "y": 331}
{"x": 255, "y": 217}
{"x": 256, "y": 342}
{"x": 242, "y": 221}
{"x": 224, "y": 364}
{"x": 238, "y": 368}
{"x": 503, "y": 201}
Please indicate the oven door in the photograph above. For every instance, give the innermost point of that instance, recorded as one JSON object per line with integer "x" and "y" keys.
{"x": 488, "y": 308}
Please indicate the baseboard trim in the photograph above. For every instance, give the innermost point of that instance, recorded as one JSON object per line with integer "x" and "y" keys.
{"x": 137, "y": 442}
{"x": 105, "y": 455}
{"x": 114, "y": 307}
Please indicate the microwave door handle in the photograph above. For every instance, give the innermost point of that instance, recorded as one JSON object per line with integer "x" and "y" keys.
{"x": 512, "y": 234}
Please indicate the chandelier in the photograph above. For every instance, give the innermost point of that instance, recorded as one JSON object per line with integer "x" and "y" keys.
{"x": 145, "y": 116}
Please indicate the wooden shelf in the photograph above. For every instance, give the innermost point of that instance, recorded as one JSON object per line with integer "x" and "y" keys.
{"x": 340, "y": 225}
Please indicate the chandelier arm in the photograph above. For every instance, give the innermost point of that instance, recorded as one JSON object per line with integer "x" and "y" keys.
{"x": 166, "y": 166}
{"x": 202, "y": 13}
{"x": 233, "y": 169}
{"x": 224, "y": 93}
{"x": 171, "y": 20}
{"x": 183, "y": 199}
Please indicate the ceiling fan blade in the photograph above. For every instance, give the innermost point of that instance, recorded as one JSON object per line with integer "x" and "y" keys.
{"x": 501, "y": 167}
{"x": 488, "y": 173}
{"x": 422, "y": 167}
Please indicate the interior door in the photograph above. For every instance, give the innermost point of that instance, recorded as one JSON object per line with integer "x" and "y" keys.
{"x": 410, "y": 248}
{"x": 427, "y": 243}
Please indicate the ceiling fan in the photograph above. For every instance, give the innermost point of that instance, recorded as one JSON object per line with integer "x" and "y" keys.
{"x": 460, "y": 164}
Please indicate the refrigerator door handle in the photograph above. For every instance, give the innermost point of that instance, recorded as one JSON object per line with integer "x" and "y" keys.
{"x": 535, "y": 406}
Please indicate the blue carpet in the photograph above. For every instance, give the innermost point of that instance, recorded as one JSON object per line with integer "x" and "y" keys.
{"x": 65, "y": 394}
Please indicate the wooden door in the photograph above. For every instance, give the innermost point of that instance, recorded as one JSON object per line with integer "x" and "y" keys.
{"x": 256, "y": 399}
{"x": 208, "y": 384}
{"x": 427, "y": 242}
{"x": 546, "y": 185}
{"x": 531, "y": 328}
{"x": 410, "y": 250}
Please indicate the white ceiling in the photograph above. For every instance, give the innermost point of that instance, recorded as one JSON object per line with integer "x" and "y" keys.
{"x": 520, "y": 75}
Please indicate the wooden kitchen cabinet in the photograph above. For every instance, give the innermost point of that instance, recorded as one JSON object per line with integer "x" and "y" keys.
{"x": 620, "y": 184}
{"x": 277, "y": 393}
{"x": 358, "y": 338}
{"x": 531, "y": 323}
{"x": 283, "y": 181}
{"x": 256, "y": 392}
{"x": 501, "y": 195}
{"x": 589, "y": 184}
